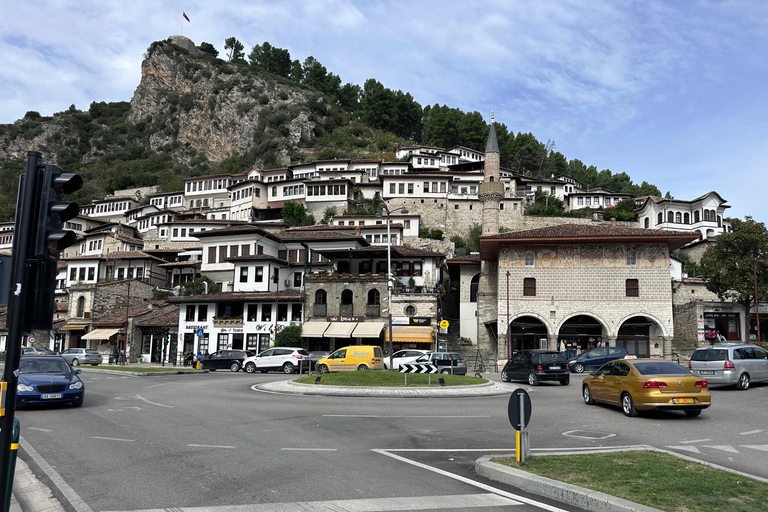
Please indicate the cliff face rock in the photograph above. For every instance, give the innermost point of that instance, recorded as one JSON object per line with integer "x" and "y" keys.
{"x": 213, "y": 108}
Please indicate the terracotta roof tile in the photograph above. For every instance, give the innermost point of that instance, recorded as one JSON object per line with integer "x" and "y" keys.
{"x": 570, "y": 231}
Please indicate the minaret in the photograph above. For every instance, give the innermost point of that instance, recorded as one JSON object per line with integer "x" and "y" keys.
{"x": 491, "y": 191}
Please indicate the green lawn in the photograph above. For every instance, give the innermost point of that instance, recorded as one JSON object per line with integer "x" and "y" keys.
{"x": 655, "y": 479}
{"x": 138, "y": 369}
{"x": 388, "y": 379}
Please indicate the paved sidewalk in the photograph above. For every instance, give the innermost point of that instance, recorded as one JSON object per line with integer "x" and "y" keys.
{"x": 488, "y": 389}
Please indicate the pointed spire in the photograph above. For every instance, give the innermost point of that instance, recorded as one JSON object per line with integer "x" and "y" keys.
{"x": 493, "y": 145}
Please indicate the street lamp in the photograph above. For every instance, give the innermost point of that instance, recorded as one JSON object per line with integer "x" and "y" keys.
{"x": 383, "y": 208}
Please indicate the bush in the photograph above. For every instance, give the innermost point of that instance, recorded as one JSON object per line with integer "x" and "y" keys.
{"x": 289, "y": 337}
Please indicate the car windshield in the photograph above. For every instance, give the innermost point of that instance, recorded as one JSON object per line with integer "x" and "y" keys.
{"x": 552, "y": 357}
{"x": 709, "y": 355}
{"x": 43, "y": 366}
{"x": 661, "y": 368}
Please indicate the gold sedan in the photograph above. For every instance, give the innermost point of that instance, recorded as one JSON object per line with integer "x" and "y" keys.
{"x": 645, "y": 385}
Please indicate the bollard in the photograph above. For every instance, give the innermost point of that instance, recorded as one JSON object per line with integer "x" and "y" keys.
{"x": 12, "y": 468}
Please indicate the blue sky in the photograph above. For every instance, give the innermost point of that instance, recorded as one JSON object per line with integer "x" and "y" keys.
{"x": 673, "y": 93}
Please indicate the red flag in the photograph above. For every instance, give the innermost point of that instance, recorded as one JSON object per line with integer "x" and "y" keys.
{"x": 185, "y": 15}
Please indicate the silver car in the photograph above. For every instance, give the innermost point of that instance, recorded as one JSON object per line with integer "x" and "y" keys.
{"x": 730, "y": 363}
{"x": 78, "y": 356}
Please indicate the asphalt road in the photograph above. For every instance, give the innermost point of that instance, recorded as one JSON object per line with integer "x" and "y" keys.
{"x": 212, "y": 440}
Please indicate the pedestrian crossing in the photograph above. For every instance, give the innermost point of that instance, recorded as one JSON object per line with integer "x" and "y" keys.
{"x": 738, "y": 449}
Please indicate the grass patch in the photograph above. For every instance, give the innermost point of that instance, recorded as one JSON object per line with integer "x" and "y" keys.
{"x": 139, "y": 369}
{"x": 388, "y": 379}
{"x": 655, "y": 479}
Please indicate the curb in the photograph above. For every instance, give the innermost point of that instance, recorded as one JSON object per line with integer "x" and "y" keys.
{"x": 489, "y": 388}
{"x": 586, "y": 499}
{"x": 145, "y": 374}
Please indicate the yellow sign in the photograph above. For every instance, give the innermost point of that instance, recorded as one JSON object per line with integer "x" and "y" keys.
{"x": 444, "y": 324}
{"x": 3, "y": 389}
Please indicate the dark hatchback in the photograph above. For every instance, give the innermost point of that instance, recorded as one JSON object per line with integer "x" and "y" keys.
{"x": 535, "y": 366}
{"x": 226, "y": 359}
{"x": 48, "y": 380}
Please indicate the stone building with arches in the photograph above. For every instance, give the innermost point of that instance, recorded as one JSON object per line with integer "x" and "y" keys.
{"x": 574, "y": 287}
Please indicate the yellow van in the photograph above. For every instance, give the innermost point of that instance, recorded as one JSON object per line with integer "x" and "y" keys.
{"x": 354, "y": 357}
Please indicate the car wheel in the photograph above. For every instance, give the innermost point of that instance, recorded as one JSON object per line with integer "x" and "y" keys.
{"x": 743, "y": 381}
{"x": 445, "y": 372}
{"x": 505, "y": 376}
{"x": 75, "y": 362}
{"x": 587, "y": 393}
{"x": 693, "y": 412}
{"x": 362, "y": 367}
{"x": 578, "y": 368}
{"x": 288, "y": 368}
{"x": 533, "y": 380}
{"x": 323, "y": 369}
{"x": 234, "y": 367}
{"x": 250, "y": 368}
{"x": 628, "y": 405}
{"x": 565, "y": 381}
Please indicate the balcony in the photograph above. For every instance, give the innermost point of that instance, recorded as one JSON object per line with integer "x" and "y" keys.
{"x": 320, "y": 310}
{"x": 228, "y": 322}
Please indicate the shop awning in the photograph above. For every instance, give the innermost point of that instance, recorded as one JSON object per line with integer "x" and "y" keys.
{"x": 340, "y": 330}
{"x": 100, "y": 334}
{"x": 410, "y": 334}
{"x": 314, "y": 329}
{"x": 368, "y": 329}
{"x": 74, "y": 327}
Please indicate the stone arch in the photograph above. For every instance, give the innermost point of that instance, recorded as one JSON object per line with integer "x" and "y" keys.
{"x": 525, "y": 331}
{"x": 581, "y": 331}
{"x": 642, "y": 335}
{"x": 658, "y": 322}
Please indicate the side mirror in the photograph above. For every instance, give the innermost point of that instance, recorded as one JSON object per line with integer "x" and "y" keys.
{"x": 77, "y": 371}
{"x": 592, "y": 373}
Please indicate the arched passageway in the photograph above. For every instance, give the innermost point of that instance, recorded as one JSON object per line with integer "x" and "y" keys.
{"x": 526, "y": 332}
{"x": 579, "y": 334}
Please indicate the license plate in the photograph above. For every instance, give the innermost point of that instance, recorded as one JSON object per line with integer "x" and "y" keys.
{"x": 51, "y": 395}
{"x": 683, "y": 401}
{"x": 707, "y": 372}
{"x": 555, "y": 367}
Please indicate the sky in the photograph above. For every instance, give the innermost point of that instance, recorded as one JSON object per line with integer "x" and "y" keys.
{"x": 672, "y": 93}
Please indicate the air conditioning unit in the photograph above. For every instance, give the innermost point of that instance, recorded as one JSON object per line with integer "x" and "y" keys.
{"x": 287, "y": 282}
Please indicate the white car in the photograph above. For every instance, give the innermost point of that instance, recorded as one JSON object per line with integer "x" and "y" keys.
{"x": 285, "y": 359}
{"x": 408, "y": 355}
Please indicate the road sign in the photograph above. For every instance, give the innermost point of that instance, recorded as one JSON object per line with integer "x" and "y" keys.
{"x": 513, "y": 409}
{"x": 31, "y": 339}
{"x": 201, "y": 333}
{"x": 444, "y": 324}
{"x": 418, "y": 368}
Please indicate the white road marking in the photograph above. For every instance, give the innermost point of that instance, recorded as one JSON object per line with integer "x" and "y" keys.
{"x": 365, "y": 505}
{"x": 123, "y": 409}
{"x": 158, "y": 385}
{"x": 443, "y": 450}
{"x": 685, "y": 448}
{"x": 723, "y": 447}
{"x": 40, "y": 429}
{"x": 695, "y": 441}
{"x": 751, "y": 432}
{"x": 74, "y": 499}
{"x": 389, "y": 416}
{"x": 469, "y": 481}
{"x": 113, "y": 439}
{"x": 210, "y": 446}
{"x": 310, "y": 449}
{"x": 761, "y": 447}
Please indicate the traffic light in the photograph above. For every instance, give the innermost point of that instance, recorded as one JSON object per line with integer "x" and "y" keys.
{"x": 50, "y": 239}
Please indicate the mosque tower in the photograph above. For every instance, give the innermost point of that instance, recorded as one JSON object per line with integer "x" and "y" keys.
{"x": 491, "y": 191}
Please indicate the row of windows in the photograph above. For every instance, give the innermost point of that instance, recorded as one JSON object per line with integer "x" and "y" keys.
{"x": 631, "y": 288}
{"x": 113, "y": 207}
{"x": 253, "y": 312}
{"x": 246, "y": 192}
{"x": 199, "y": 186}
{"x": 347, "y": 297}
{"x": 684, "y": 218}
{"x": 160, "y": 201}
{"x": 152, "y": 221}
{"x": 94, "y": 245}
{"x": 73, "y": 225}
{"x": 589, "y": 201}
{"x": 320, "y": 190}
{"x": 377, "y": 239}
{"x": 6, "y": 239}
{"x": 406, "y": 223}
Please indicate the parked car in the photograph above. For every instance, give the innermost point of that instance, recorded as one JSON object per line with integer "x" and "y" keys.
{"x": 446, "y": 362}
{"x": 78, "y": 356}
{"x": 48, "y": 380}
{"x": 595, "y": 358}
{"x": 232, "y": 359}
{"x": 285, "y": 359}
{"x": 736, "y": 364}
{"x": 534, "y": 366}
{"x": 355, "y": 357}
{"x": 37, "y": 351}
{"x": 317, "y": 355}
{"x": 647, "y": 384}
{"x": 403, "y": 356}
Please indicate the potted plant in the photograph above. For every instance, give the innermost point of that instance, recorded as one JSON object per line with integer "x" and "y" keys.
{"x": 411, "y": 284}
{"x": 368, "y": 275}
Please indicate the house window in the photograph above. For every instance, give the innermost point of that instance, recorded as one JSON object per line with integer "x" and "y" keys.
{"x": 647, "y": 223}
{"x": 373, "y": 297}
{"x": 391, "y": 188}
{"x": 91, "y": 272}
{"x": 202, "y": 313}
{"x": 695, "y": 216}
{"x": 259, "y": 275}
{"x": 434, "y": 187}
{"x": 252, "y": 342}
{"x": 632, "y": 288}
{"x": 686, "y": 218}
{"x": 426, "y": 186}
{"x": 266, "y": 312}
{"x": 253, "y": 310}
{"x": 529, "y": 259}
{"x": 473, "y": 285}
{"x": 296, "y": 313}
{"x": 579, "y": 201}
{"x": 671, "y": 217}
{"x": 73, "y": 274}
{"x": 223, "y": 342}
{"x": 190, "y": 313}
{"x": 501, "y": 206}
{"x": 120, "y": 273}
{"x": 297, "y": 279}
{"x": 243, "y": 274}
{"x": 660, "y": 218}
{"x": 407, "y": 224}
{"x": 631, "y": 258}
{"x": 678, "y": 217}
{"x": 529, "y": 287}
{"x": 410, "y": 188}
{"x": 443, "y": 186}
{"x": 401, "y": 188}
{"x": 346, "y": 297}
{"x": 211, "y": 254}
{"x": 320, "y": 297}
{"x": 410, "y": 310}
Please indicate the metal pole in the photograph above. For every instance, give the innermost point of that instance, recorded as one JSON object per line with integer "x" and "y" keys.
{"x": 508, "y": 354}
{"x": 522, "y": 427}
{"x": 757, "y": 301}
{"x": 389, "y": 284}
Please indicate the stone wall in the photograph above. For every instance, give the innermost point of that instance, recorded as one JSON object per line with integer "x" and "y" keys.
{"x": 335, "y": 286}
{"x": 113, "y": 298}
{"x": 424, "y": 304}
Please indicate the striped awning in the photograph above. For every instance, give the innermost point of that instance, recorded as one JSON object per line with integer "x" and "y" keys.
{"x": 314, "y": 329}
{"x": 100, "y": 334}
{"x": 410, "y": 334}
{"x": 340, "y": 330}
{"x": 368, "y": 329}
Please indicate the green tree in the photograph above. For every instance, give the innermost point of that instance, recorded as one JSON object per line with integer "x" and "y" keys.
{"x": 197, "y": 286}
{"x": 271, "y": 59}
{"x": 234, "y": 50}
{"x": 208, "y": 48}
{"x": 289, "y": 337}
{"x": 545, "y": 204}
{"x": 328, "y": 213}
{"x": 731, "y": 264}
{"x": 294, "y": 214}
{"x": 625, "y": 211}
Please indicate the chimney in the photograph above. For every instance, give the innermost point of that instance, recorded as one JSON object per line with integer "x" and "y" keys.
{"x": 613, "y": 221}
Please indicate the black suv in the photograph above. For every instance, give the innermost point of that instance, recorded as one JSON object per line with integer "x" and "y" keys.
{"x": 535, "y": 366}
{"x": 232, "y": 359}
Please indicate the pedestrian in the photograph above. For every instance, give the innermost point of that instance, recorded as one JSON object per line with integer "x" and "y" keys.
{"x": 116, "y": 355}
{"x": 719, "y": 336}
{"x": 121, "y": 358}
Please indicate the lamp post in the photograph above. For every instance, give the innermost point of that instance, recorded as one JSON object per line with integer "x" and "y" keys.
{"x": 384, "y": 208}
{"x": 757, "y": 299}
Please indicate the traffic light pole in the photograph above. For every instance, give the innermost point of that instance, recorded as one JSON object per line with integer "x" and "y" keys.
{"x": 26, "y": 209}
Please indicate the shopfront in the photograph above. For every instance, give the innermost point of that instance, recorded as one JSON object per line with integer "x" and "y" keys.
{"x": 721, "y": 320}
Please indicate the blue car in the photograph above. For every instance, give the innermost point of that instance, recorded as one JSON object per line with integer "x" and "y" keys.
{"x": 48, "y": 380}
{"x": 595, "y": 358}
